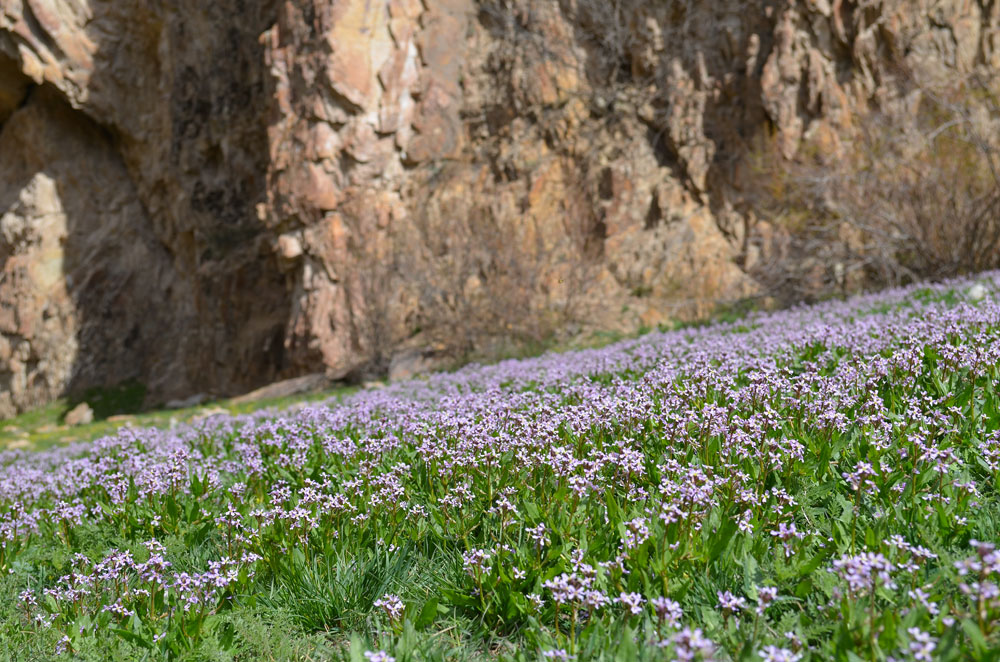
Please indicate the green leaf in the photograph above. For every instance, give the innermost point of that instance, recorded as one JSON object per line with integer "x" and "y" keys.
{"x": 132, "y": 637}
{"x": 888, "y": 639}
{"x": 358, "y": 648}
{"x": 227, "y": 636}
{"x": 172, "y": 509}
{"x": 627, "y": 650}
{"x": 721, "y": 539}
{"x": 847, "y": 509}
{"x": 427, "y": 614}
{"x": 614, "y": 510}
{"x": 406, "y": 644}
{"x": 197, "y": 536}
{"x": 975, "y": 635}
{"x": 810, "y": 566}
{"x": 751, "y": 573}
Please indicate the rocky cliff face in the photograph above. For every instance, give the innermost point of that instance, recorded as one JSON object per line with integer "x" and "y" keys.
{"x": 209, "y": 196}
{"x": 132, "y": 153}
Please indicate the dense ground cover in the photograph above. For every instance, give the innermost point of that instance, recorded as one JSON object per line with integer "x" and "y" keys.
{"x": 123, "y": 406}
{"x": 814, "y": 484}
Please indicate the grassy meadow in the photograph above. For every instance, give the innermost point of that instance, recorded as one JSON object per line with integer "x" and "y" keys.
{"x": 819, "y": 483}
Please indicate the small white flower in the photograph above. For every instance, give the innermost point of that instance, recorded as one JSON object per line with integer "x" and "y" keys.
{"x": 977, "y": 292}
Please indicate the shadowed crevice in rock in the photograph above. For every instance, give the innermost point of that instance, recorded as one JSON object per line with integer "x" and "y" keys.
{"x": 79, "y": 256}
{"x": 194, "y": 142}
{"x": 129, "y": 187}
{"x": 14, "y": 87}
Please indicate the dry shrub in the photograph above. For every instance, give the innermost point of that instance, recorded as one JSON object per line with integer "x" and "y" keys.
{"x": 375, "y": 310}
{"x": 916, "y": 197}
{"x": 480, "y": 288}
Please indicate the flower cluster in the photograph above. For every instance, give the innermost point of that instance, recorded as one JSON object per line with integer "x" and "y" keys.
{"x": 640, "y": 489}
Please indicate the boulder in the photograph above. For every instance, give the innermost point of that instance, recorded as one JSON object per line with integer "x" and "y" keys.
{"x": 81, "y": 414}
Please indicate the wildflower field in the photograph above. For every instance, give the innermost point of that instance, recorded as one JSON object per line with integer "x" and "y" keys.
{"x": 814, "y": 484}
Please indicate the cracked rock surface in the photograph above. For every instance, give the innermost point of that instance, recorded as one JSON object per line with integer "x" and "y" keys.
{"x": 207, "y": 197}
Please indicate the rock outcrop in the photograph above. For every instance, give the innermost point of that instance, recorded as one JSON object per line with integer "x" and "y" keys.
{"x": 210, "y": 196}
{"x": 132, "y": 154}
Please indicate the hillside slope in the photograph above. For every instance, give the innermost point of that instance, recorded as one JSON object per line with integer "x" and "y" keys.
{"x": 809, "y": 485}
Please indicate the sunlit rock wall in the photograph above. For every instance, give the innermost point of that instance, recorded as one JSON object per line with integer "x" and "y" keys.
{"x": 209, "y": 196}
